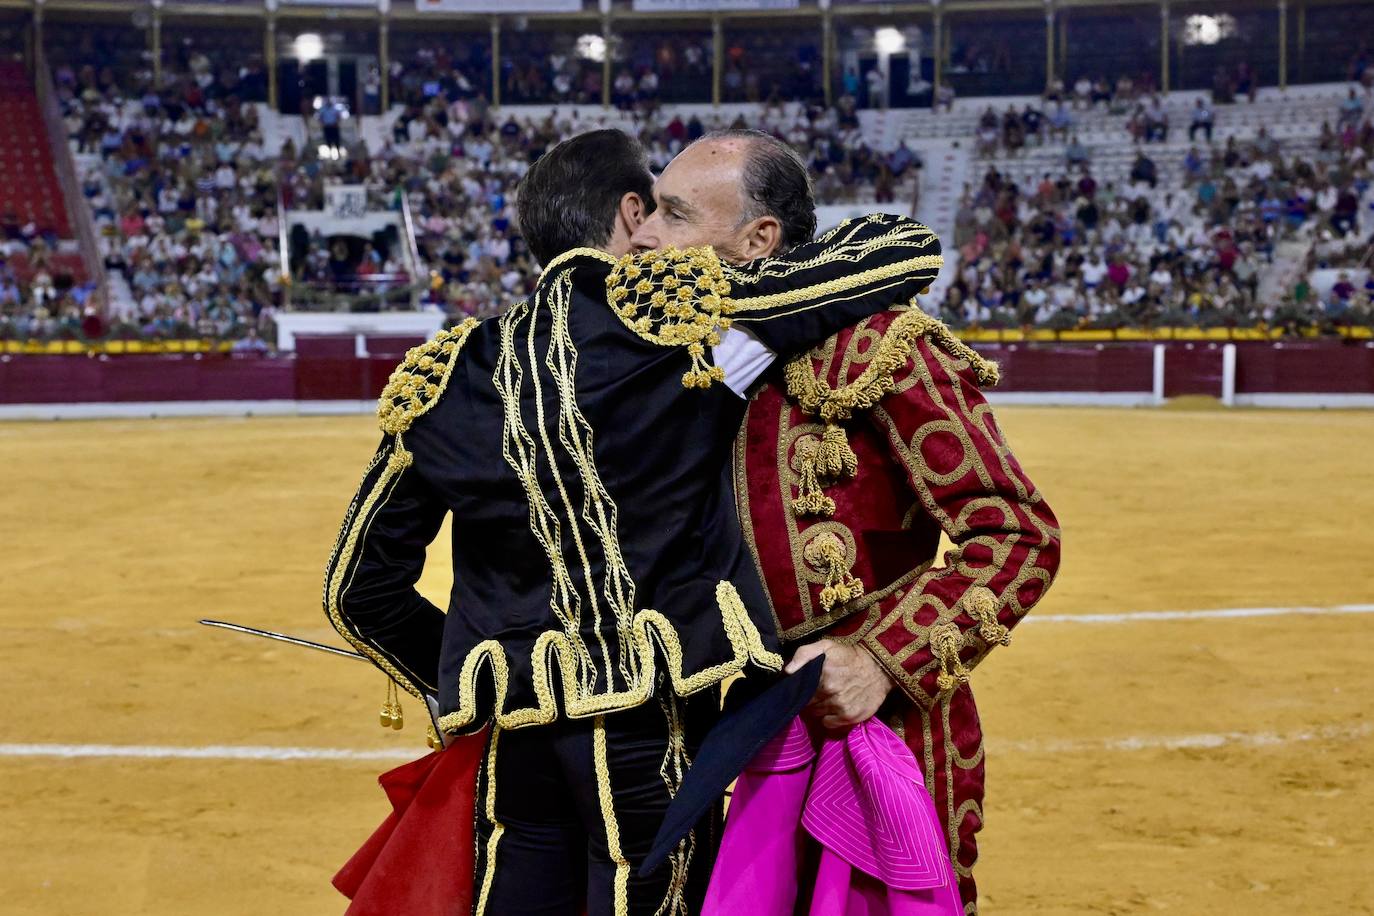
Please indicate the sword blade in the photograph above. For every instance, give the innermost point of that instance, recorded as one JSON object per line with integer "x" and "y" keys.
{"x": 282, "y": 637}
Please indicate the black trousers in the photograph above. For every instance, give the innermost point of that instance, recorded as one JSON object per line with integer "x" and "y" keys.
{"x": 566, "y": 812}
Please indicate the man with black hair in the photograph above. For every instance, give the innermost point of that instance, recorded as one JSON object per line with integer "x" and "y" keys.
{"x": 602, "y": 587}
{"x": 854, "y": 459}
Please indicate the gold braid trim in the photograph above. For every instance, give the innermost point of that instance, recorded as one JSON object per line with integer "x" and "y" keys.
{"x": 555, "y": 648}
{"x": 981, "y": 604}
{"x": 826, "y": 552}
{"x": 816, "y": 397}
{"x": 833, "y": 458}
{"x": 606, "y": 797}
{"x": 419, "y": 381}
{"x": 675, "y": 297}
{"x": 842, "y": 284}
{"x": 945, "y": 642}
{"x": 397, "y": 460}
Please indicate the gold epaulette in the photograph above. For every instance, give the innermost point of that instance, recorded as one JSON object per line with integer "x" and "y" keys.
{"x": 419, "y": 381}
{"x": 675, "y": 297}
{"x": 833, "y": 458}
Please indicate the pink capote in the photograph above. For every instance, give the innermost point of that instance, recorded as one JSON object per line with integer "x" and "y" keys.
{"x": 862, "y": 799}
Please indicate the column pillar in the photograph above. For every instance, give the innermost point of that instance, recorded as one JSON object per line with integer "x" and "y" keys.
{"x": 36, "y": 51}
{"x": 1164, "y": 46}
{"x": 1049, "y": 43}
{"x": 827, "y": 54}
{"x": 937, "y": 51}
{"x": 606, "y": 37}
{"x": 269, "y": 56}
{"x": 717, "y": 57}
{"x": 1063, "y": 49}
{"x": 155, "y": 44}
{"x": 1302, "y": 40}
{"x": 1283, "y": 44}
{"x": 495, "y": 62}
{"x": 384, "y": 58}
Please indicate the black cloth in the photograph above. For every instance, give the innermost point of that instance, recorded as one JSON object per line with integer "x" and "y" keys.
{"x": 596, "y": 542}
{"x": 755, "y": 711}
{"x": 549, "y": 841}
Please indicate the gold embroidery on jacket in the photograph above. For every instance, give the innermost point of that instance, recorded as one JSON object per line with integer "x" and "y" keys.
{"x": 744, "y": 507}
{"x": 521, "y": 373}
{"x": 419, "y": 381}
{"x": 356, "y": 521}
{"x": 837, "y": 247}
{"x": 676, "y": 762}
{"x": 554, "y": 651}
{"x": 675, "y": 297}
{"x": 606, "y": 796}
{"x": 497, "y": 828}
{"x": 832, "y": 559}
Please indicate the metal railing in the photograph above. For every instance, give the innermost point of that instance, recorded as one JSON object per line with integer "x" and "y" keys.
{"x": 283, "y": 247}
{"x": 79, "y": 216}
{"x": 418, "y": 273}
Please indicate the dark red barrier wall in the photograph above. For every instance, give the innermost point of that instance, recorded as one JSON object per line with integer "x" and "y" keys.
{"x": 1082, "y": 368}
{"x": 328, "y": 369}
{"x": 1192, "y": 368}
{"x": 86, "y": 379}
{"x": 1305, "y": 368}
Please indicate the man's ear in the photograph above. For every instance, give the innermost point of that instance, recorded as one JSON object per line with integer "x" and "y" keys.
{"x": 761, "y": 238}
{"x": 632, "y": 211}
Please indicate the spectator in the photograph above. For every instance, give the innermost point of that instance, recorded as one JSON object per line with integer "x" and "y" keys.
{"x": 1143, "y": 170}
{"x": 1060, "y": 122}
{"x": 1033, "y": 123}
{"x": 329, "y": 115}
{"x": 1156, "y": 121}
{"x": 1076, "y": 155}
{"x": 1351, "y": 110}
{"x": 1202, "y": 120}
{"x": 944, "y": 97}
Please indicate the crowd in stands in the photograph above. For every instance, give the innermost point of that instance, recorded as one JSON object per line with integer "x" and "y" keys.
{"x": 1062, "y": 250}
{"x": 459, "y": 163}
{"x": 184, "y": 194}
{"x": 183, "y": 198}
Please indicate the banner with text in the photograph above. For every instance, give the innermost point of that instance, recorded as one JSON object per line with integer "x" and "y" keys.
{"x": 710, "y": 6}
{"x": 506, "y": 6}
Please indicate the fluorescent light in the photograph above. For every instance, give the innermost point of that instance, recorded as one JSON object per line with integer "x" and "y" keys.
{"x": 889, "y": 40}
{"x": 592, "y": 47}
{"x": 308, "y": 46}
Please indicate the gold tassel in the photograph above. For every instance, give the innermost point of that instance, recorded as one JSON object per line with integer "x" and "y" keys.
{"x": 432, "y": 739}
{"x": 391, "y": 715}
{"x": 841, "y": 585}
{"x": 981, "y": 605}
{"x": 834, "y": 457}
{"x": 811, "y": 501}
{"x": 945, "y": 642}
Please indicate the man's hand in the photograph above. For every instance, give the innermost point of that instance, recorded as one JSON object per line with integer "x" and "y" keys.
{"x": 853, "y": 684}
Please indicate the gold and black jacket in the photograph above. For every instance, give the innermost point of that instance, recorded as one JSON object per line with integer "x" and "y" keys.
{"x": 582, "y": 442}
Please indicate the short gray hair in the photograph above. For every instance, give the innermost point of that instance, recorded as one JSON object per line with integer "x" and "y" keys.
{"x": 776, "y": 184}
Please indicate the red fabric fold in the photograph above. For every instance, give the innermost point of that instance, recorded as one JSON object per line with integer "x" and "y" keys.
{"x": 420, "y": 860}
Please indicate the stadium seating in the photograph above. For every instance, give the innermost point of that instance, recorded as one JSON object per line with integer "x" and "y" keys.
{"x": 29, "y": 191}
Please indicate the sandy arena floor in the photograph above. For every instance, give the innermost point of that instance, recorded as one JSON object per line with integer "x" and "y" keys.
{"x": 1199, "y": 766}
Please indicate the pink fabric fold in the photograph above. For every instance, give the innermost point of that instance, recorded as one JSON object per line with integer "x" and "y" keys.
{"x": 845, "y": 823}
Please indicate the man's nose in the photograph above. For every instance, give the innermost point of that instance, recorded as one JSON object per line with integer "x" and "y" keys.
{"x": 646, "y": 236}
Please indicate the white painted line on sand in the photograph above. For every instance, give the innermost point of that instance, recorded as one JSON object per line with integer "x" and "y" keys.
{"x": 1136, "y": 616}
{"x": 1202, "y": 741}
{"x": 205, "y": 752}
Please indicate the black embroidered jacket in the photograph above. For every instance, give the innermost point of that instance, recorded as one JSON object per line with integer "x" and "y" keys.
{"x": 584, "y": 447}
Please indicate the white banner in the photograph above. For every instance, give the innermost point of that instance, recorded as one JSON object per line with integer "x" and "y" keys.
{"x": 707, "y": 6}
{"x": 345, "y": 201}
{"x": 505, "y": 6}
{"x": 371, "y": 3}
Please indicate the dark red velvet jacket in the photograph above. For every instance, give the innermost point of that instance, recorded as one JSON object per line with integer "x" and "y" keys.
{"x": 850, "y": 468}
